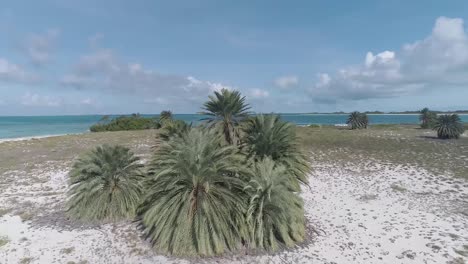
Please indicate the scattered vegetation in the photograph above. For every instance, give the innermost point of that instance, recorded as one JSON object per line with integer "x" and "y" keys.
{"x": 67, "y": 250}
{"x": 26, "y": 216}
{"x": 26, "y": 260}
{"x": 4, "y": 240}
{"x": 358, "y": 120}
{"x": 106, "y": 184}
{"x": 449, "y": 126}
{"x": 4, "y": 211}
{"x": 398, "y": 188}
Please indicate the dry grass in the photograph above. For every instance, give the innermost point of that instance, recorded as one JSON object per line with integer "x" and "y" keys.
{"x": 397, "y": 144}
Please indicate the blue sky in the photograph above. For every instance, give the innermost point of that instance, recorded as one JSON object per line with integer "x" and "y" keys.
{"x": 85, "y": 57}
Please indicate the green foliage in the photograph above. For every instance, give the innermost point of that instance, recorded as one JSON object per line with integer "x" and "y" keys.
{"x": 193, "y": 206}
{"x": 106, "y": 184}
{"x": 133, "y": 122}
{"x": 269, "y": 136}
{"x": 358, "y": 120}
{"x": 275, "y": 215}
{"x": 449, "y": 126}
{"x": 173, "y": 128}
{"x": 428, "y": 118}
{"x": 165, "y": 116}
{"x": 226, "y": 110}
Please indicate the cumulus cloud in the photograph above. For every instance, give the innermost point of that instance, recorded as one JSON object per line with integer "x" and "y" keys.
{"x": 438, "y": 61}
{"x": 30, "y": 99}
{"x": 13, "y": 73}
{"x": 286, "y": 81}
{"x": 39, "y": 47}
{"x": 105, "y": 71}
{"x": 258, "y": 93}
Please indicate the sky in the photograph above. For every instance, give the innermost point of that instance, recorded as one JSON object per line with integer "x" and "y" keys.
{"x": 68, "y": 57}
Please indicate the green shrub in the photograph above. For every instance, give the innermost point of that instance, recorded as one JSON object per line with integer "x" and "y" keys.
{"x": 358, "y": 120}
{"x": 269, "y": 136}
{"x": 133, "y": 122}
{"x": 428, "y": 118}
{"x": 449, "y": 126}
{"x": 106, "y": 184}
{"x": 275, "y": 215}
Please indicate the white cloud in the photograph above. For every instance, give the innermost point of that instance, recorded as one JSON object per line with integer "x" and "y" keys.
{"x": 286, "y": 81}
{"x": 103, "y": 70}
{"x": 10, "y": 72}
{"x": 87, "y": 101}
{"x": 39, "y": 47}
{"x": 438, "y": 61}
{"x": 30, "y": 99}
{"x": 258, "y": 93}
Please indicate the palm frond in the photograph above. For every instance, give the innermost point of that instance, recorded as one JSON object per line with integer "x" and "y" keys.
{"x": 358, "y": 120}
{"x": 193, "y": 205}
{"x": 275, "y": 215}
{"x": 269, "y": 136}
{"x": 105, "y": 184}
{"x": 449, "y": 126}
{"x": 225, "y": 111}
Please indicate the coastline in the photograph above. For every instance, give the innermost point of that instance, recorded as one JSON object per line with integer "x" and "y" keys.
{"x": 2, "y": 140}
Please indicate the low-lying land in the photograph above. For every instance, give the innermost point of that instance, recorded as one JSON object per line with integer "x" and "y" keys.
{"x": 388, "y": 194}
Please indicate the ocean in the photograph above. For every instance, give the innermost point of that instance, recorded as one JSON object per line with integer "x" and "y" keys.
{"x": 30, "y": 126}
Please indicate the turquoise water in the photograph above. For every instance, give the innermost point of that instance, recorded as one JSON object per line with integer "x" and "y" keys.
{"x": 27, "y": 126}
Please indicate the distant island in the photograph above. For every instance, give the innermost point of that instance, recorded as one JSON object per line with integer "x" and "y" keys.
{"x": 393, "y": 112}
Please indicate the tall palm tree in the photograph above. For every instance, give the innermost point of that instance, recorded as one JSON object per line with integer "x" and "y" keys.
{"x": 269, "y": 136}
{"x": 193, "y": 207}
{"x": 106, "y": 184}
{"x": 357, "y": 120}
{"x": 226, "y": 110}
{"x": 449, "y": 126}
{"x": 427, "y": 118}
{"x": 275, "y": 215}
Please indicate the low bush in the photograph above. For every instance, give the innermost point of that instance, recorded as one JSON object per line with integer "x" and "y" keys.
{"x": 133, "y": 122}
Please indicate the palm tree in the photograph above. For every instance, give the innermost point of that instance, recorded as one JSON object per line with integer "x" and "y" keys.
{"x": 193, "y": 207}
{"x": 269, "y": 136}
{"x": 358, "y": 120}
{"x": 165, "y": 116}
{"x": 275, "y": 215}
{"x": 449, "y": 126}
{"x": 174, "y": 128}
{"x": 105, "y": 184}
{"x": 226, "y": 110}
{"x": 427, "y": 118}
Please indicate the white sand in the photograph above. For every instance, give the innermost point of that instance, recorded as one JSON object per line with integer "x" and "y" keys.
{"x": 369, "y": 213}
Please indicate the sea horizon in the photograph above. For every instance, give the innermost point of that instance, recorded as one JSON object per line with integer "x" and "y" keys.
{"x": 17, "y": 127}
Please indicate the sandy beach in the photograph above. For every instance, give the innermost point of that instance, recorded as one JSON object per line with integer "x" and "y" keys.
{"x": 362, "y": 206}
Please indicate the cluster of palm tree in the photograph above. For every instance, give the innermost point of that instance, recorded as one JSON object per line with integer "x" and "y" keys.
{"x": 357, "y": 120}
{"x": 448, "y": 126}
{"x": 231, "y": 183}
